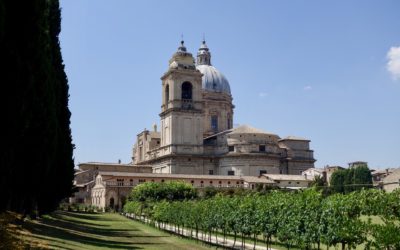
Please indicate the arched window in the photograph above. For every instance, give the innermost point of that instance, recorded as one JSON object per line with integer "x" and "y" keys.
{"x": 187, "y": 91}
{"x": 166, "y": 94}
{"x": 112, "y": 202}
{"x": 214, "y": 123}
{"x": 229, "y": 122}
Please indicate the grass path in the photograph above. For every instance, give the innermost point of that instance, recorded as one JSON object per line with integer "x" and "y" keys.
{"x": 69, "y": 230}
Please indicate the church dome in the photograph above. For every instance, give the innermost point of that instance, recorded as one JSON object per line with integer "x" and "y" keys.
{"x": 212, "y": 79}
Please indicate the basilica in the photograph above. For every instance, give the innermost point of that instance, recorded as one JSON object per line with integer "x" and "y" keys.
{"x": 197, "y": 143}
{"x": 197, "y": 136}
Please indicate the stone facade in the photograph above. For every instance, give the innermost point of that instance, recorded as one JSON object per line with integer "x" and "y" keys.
{"x": 85, "y": 178}
{"x": 196, "y": 134}
{"x": 197, "y": 143}
{"x": 392, "y": 181}
{"x": 111, "y": 189}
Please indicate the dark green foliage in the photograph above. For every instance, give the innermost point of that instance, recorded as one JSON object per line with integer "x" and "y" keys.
{"x": 337, "y": 181}
{"x": 318, "y": 182}
{"x": 352, "y": 179}
{"x": 362, "y": 175}
{"x": 37, "y": 165}
{"x": 156, "y": 191}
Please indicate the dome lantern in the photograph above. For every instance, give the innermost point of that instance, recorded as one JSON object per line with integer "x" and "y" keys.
{"x": 212, "y": 80}
{"x": 203, "y": 55}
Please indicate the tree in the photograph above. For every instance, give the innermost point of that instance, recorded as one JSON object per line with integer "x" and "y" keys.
{"x": 349, "y": 180}
{"x": 155, "y": 191}
{"x": 37, "y": 164}
{"x": 337, "y": 181}
{"x": 362, "y": 175}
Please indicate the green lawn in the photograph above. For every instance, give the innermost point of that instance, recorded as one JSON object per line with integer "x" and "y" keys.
{"x": 70, "y": 230}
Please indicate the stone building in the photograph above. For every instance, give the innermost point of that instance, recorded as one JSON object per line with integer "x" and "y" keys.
{"x": 197, "y": 136}
{"x": 391, "y": 181}
{"x": 197, "y": 143}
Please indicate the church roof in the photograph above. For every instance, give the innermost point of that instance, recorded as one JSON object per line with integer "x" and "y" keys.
{"x": 286, "y": 177}
{"x": 245, "y": 129}
{"x": 249, "y": 179}
{"x": 257, "y": 179}
{"x": 171, "y": 176}
{"x": 213, "y": 79}
{"x": 294, "y": 138}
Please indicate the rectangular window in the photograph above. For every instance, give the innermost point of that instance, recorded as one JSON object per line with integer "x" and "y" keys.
{"x": 263, "y": 172}
{"x": 214, "y": 123}
{"x": 262, "y": 148}
{"x": 231, "y": 172}
{"x": 210, "y": 171}
{"x": 120, "y": 182}
{"x": 231, "y": 148}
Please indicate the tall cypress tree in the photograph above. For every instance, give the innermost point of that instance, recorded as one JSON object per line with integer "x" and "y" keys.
{"x": 63, "y": 165}
{"x": 37, "y": 157}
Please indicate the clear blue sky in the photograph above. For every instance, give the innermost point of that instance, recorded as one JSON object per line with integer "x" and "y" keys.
{"x": 325, "y": 70}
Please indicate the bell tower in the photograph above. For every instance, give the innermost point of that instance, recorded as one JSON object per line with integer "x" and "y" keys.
{"x": 182, "y": 106}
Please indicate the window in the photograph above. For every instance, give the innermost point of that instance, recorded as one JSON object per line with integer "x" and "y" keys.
{"x": 211, "y": 182}
{"x": 167, "y": 95}
{"x": 187, "y": 91}
{"x": 214, "y": 123}
{"x": 290, "y": 182}
{"x": 263, "y": 172}
{"x": 162, "y": 180}
{"x": 120, "y": 182}
{"x": 210, "y": 171}
{"x": 201, "y": 184}
{"x": 229, "y": 123}
{"x": 231, "y": 172}
{"x": 131, "y": 182}
{"x": 231, "y": 148}
{"x": 142, "y": 180}
{"x": 189, "y": 159}
{"x": 261, "y": 148}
